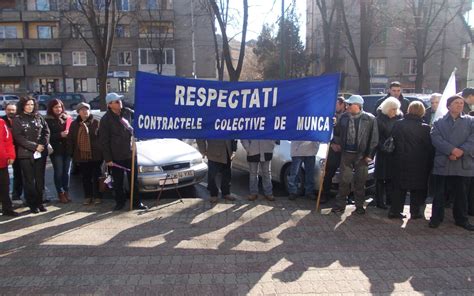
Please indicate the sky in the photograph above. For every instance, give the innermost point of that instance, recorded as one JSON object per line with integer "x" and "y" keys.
{"x": 267, "y": 11}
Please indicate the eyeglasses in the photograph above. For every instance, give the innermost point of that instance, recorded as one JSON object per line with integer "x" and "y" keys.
{"x": 349, "y": 104}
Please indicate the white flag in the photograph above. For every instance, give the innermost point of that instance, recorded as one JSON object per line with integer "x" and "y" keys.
{"x": 449, "y": 90}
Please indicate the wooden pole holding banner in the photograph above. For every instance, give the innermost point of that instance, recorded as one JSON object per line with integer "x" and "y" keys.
{"x": 132, "y": 182}
{"x": 321, "y": 178}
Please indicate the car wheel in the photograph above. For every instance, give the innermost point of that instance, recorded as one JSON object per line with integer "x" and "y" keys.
{"x": 299, "y": 181}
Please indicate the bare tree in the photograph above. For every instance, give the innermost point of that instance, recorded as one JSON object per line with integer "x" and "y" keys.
{"x": 224, "y": 11}
{"x": 331, "y": 23}
{"x": 234, "y": 72}
{"x": 101, "y": 17}
{"x": 425, "y": 28}
{"x": 154, "y": 29}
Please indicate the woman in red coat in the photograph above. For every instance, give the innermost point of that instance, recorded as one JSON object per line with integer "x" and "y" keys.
{"x": 7, "y": 157}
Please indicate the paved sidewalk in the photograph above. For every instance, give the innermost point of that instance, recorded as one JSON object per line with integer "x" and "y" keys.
{"x": 233, "y": 248}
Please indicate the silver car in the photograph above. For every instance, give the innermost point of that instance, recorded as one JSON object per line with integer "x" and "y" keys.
{"x": 281, "y": 162}
{"x": 168, "y": 164}
{"x": 5, "y": 99}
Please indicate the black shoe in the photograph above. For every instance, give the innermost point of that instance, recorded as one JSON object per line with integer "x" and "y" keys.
{"x": 396, "y": 216}
{"x": 433, "y": 224}
{"x": 34, "y": 210}
{"x": 350, "y": 201}
{"x": 41, "y": 208}
{"x": 416, "y": 216}
{"x": 372, "y": 203}
{"x": 10, "y": 213}
{"x": 118, "y": 207}
{"x": 467, "y": 226}
{"x": 338, "y": 210}
{"x": 140, "y": 206}
{"x": 360, "y": 211}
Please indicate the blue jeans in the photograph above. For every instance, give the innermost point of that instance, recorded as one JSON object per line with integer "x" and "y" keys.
{"x": 266, "y": 177}
{"x": 61, "y": 165}
{"x": 309, "y": 162}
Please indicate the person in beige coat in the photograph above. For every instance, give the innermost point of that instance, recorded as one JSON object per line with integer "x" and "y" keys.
{"x": 219, "y": 154}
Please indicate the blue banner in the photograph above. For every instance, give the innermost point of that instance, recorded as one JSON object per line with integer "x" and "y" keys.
{"x": 173, "y": 107}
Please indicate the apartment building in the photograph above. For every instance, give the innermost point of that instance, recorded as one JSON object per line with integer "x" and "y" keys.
{"x": 392, "y": 56}
{"x": 41, "y": 51}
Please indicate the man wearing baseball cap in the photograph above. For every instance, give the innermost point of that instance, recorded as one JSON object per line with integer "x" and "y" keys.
{"x": 115, "y": 134}
{"x": 453, "y": 138}
{"x": 356, "y": 136}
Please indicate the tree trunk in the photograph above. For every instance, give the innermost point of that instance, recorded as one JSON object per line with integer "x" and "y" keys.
{"x": 364, "y": 75}
{"x": 102, "y": 70}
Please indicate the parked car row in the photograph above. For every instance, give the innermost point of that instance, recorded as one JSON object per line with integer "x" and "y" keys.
{"x": 70, "y": 100}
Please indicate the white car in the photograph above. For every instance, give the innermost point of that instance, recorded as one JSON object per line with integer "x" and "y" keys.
{"x": 281, "y": 161}
{"x": 5, "y": 99}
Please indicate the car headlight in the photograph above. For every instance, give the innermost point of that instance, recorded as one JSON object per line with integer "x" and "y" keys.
{"x": 196, "y": 161}
{"x": 149, "y": 169}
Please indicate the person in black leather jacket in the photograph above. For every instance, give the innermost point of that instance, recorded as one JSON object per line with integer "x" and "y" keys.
{"x": 31, "y": 135}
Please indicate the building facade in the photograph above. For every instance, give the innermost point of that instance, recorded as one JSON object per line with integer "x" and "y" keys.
{"x": 42, "y": 49}
{"x": 392, "y": 55}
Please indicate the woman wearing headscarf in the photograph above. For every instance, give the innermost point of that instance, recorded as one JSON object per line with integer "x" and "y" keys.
{"x": 58, "y": 122}
{"x": 31, "y": 135}
{"x": 389, "y": 113}
{"x": 84, "y": 147}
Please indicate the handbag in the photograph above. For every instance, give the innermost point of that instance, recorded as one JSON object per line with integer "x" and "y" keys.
{"x": 389, "y": 145}
{"x": 105, "y": 181}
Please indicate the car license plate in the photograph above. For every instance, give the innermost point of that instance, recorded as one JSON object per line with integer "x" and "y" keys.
{"x": 184, "y": 174}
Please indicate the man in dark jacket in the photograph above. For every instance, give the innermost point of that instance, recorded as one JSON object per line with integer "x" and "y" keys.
{"x": 395, "y": 91}
{"x": 115, "y": 135}
{"x": 334, "y": 157}
{"x": 428, "y": 118}
{"x": 10, "y": 112}
{"x": 356, "y": 136}
{"x": 219, "y": 154}
{"x": 468, "y": 96}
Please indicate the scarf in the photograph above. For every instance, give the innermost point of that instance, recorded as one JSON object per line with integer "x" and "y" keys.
{"x": 83, "y": 142}
{"x": 351, "y": 132}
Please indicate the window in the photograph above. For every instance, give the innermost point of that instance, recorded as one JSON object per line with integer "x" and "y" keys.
{"x": 409, "y": 67}
{"x": 80, "y": 84}
{"x": 45, "y": 32}
{"x": 42, "y": 5}
{"x": 76, "y": 31}
{"x": 10, "y": 58}
{"x": 124, "y": 84}
{"x": 122, "y": 31}
{"x": 377, "y": 66}
{"x": 151, "y": 4}
{"x": 79, "y": 58}
{"x": 50, "y": 58}
{"x": 123, "y": 5}
{"x": 8, "y": 32}
{"x": 125, "y": 58}
{"x": 9, "y": 86}
{"x": 152, "y": 57}
{"x": 156, "y": 29}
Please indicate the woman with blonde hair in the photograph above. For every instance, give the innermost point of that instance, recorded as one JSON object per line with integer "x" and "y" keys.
{"x": 389, "y": 112}
{"x": 413, "y": 160}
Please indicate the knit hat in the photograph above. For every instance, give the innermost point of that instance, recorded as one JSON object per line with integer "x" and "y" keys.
{"x": 452, "y": 99}
{"x": 112, "y": 97}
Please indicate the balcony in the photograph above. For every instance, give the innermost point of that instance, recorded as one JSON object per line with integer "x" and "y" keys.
{"x": 156, "y": 15}
{"x": 11, "y": 43}
{"x": 42, "y": 43}
{"x": 44, "y": 70}
{"x": 7, "y": 15}
{"x": 40, "y": 16}
{"x": 11, "y": 71}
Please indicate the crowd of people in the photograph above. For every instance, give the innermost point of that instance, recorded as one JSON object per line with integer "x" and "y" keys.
{"x": 413, "y": 151}
{"x": 27, "y": 139}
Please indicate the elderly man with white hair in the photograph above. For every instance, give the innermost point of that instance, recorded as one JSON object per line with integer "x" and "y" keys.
{"x": 389, "y": 113}
{"x": 429, "y": 116}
